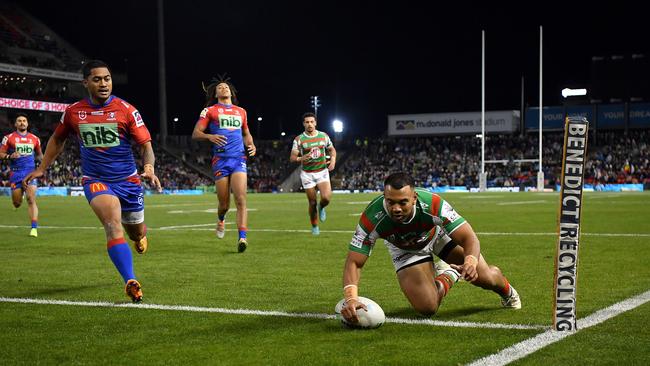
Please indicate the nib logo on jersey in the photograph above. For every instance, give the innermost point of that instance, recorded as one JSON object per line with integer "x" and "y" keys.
{"x": 25, "y": 149}
{"x": 99, "y": 134}
{"x": 227, "y": 121}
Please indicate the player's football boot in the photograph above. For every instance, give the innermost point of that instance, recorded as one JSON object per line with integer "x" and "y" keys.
{"x": 315, "y": 230}
{"x": 221, "y": 229}
{"x": 133, "y": 290}
{"x": 242, "y": 244}
{"x": 322, "y": 215}
{"x": 33, "y": 232}
{"x": 141, "y": 245}
{"x": 513, "y": 301}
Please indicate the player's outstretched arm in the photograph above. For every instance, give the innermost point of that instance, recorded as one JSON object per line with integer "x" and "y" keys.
{"x": 149, "y": 159}
{"x": 351, "y": 276}
{"x": 465, "y": 236}
{"x": 55, "y": 146}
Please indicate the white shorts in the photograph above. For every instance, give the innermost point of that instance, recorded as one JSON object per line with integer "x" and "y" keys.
{"x": 133, "y": 218}
{"x": 439, "y": 246}
{"x": 310, "y": 180}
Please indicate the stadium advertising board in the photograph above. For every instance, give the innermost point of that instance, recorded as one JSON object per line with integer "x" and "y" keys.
{"x": 553, "y": 117}
{"x": 639, "y": 115}
{"x": 566, "y": 261}
{"x": 611, "y": 116}
{"x": 35, "y": 105}
{"x": 36, "y": 71}
{"x": 452, "y": 123}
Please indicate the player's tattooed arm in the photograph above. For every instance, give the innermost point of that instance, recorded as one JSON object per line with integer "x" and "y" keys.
{"x": 148, "y": 160}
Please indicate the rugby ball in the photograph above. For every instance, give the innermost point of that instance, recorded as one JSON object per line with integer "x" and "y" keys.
{"x": 374, "y": 317}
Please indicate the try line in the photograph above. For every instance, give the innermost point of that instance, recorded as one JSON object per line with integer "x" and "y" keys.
{"x": 201, "y": 309}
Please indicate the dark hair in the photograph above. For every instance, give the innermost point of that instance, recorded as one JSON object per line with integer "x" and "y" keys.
{"x": 399, "y": 180}
{"x": 86, "y": 69}
{"x": 309, "y": 114}
{"x": 20, "y": 115}
{"x": 211, "y": 92}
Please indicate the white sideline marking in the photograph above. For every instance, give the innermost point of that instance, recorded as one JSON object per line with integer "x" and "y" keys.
{"x": 209, "y": 210}
{"x": 530, "y": 345}
{"x": 199, "y": 227}
{"x": 201, "y": 309}
{"x": 520, "y": 202}
{"x": 179, "y": 204}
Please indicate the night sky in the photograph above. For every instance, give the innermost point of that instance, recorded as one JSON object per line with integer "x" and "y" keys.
{"x": 364, "y": 60}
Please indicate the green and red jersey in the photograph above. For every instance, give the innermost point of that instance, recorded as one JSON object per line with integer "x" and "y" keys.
{"x": 432, "y": 218}
{"x": 315, "y": 147}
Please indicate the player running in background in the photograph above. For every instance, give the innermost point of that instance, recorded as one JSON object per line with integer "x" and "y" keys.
{"x": 416, "y": 225}
{"x": 310, "y": 149}
{"x": 227, "y": 131}
{"x": 19, "y": 148}
{"x": 104, "y": 126}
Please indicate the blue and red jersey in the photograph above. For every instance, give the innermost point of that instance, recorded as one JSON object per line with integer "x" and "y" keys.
{"x": 104, "y": 133}
{"x": 26, "y": 145}
{"x": 227, "y": 120}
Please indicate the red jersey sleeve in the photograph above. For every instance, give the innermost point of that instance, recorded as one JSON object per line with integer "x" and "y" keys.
{"x": 4, "y": 146}
{"x": 37, "y": 145}
{"x": 204, "y": 119}
{"x": 245, "y": 122}
{"x": 135, "y": 126}
{"x": 65, "y": 126}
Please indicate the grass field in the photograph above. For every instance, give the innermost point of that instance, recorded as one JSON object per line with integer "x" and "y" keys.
{"x": 286, "y": 269}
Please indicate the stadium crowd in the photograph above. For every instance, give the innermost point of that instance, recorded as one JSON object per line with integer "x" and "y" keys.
{"x": 614, "y": 157}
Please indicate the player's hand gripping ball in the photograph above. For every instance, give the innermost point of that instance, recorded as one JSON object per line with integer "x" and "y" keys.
{"x": 373, "y": 318}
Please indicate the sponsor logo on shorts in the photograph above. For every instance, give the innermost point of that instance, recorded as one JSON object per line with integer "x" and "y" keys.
{"x": 97, "y": 187}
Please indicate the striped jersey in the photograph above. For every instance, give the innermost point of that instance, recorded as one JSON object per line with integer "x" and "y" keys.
{"x": 26, "y": 145}
{"x": 315, "y": 147}
{"x": 432, "y": 218}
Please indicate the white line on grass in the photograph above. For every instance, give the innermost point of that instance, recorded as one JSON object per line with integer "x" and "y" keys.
{"x": 520, "y": 202}
{"x": 201, "y": 309}
{"x": 530, "y": 345}
{"x": 200, "y": 227}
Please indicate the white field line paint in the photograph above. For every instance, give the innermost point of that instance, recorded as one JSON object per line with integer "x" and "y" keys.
{"x": 209, "y": 210}
{"x": 180, "y": 204}
{"x": 520, "y": 202}
{"x": 530, "y": 345}
{"x": 201, "y": 309}
{"x": 354, "y": 214}
{"x": 482, "y": 197}
{"x": 199, "y": 227}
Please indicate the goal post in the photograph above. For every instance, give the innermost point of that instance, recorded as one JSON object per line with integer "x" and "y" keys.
{"x": 566, "y": 259}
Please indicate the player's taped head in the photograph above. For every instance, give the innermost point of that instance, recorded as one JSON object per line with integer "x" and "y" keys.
{"x": 211, "y": 89}
{"x": 89, "y": 65}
